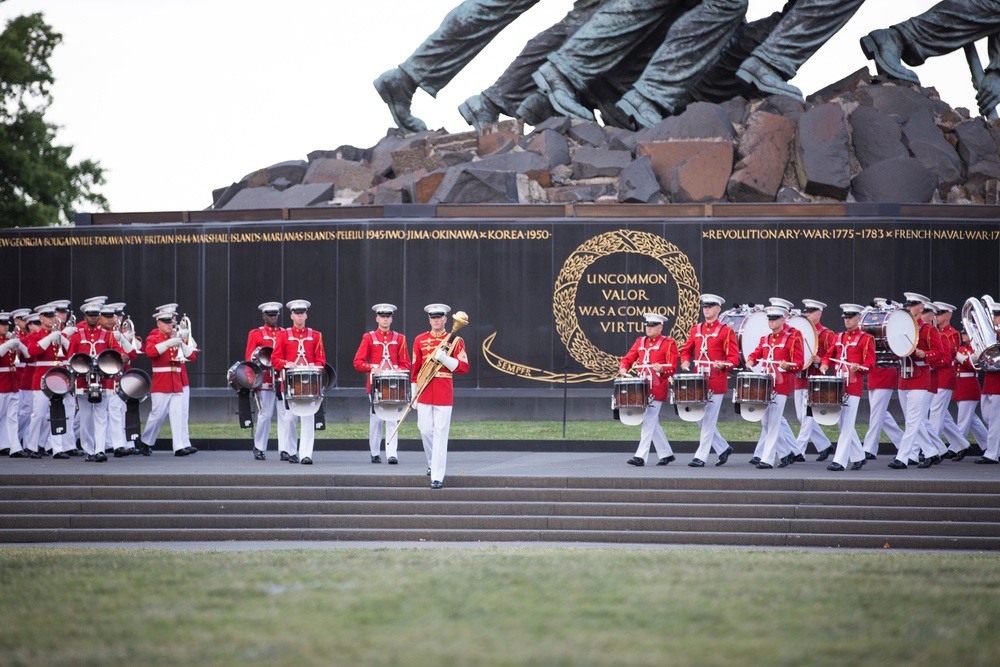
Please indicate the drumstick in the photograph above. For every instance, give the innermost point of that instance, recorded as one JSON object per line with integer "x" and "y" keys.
{"x": 848, "y": 363}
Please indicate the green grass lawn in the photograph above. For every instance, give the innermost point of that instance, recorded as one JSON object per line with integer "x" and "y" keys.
{"x": 497, "y": 606}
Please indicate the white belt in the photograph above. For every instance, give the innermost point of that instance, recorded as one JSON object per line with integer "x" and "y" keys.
{"x": 919, "y": 363}
{"x": 967, "y": 375}
{"x": 267, "y": 385}
{"x": 46, "y": 363}
{"x": 167, "y": 370}
{"x": 6, "y": 370}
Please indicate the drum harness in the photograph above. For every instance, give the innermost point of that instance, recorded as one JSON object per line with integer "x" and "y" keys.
{"x": 769, "y": 363}
{"x": 703, "y": 359}
{"x": 385, "y": 365}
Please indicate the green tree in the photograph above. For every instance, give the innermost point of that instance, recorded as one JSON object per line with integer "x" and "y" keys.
{"x": 38, "y": 183}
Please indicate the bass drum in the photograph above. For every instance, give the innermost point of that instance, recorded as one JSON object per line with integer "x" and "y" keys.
{"x": 809, "y": 336}
{"x": 746, "y": 323}
{"x": 895, "y": 333}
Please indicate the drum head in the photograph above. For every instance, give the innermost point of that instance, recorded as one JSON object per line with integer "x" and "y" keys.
{"x": 827, "y": 415}
{"x": 631, "y": 416}
{"x": 390, "y": 413}
{"x": 901, "y": 333}
{"x": 57, "y": 381}
{"x": 304, "y": 407}
{"x": 134, "y": 384}
{"x": 691, "y": 412}
{"x": 805, "y": 326}
{"x": 752, "y": 412}
{"x": 754, "y": 328}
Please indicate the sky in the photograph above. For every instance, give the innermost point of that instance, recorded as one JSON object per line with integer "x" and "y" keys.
{"x": 178, "y": 98}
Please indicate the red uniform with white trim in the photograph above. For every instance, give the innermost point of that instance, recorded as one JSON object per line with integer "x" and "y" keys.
{"x": 854, "y": 347}
{"x": 377, "y": 346}
{"x": 93, "y": 341}
{"x": 440, "y": 390}
{"x": 263, "y": 336}
{"x": 169, "y": 372}
{"x": 947, "y": 369}
{"x": 967, "y": 386}
{"x": 786, "y": 345}
{"x": 825, "y": 339}
{"x": 647, "y": 351}
{"x": 298, "y": 346}
{"x": 707, "y": 343}
{"x": 929, "y": 341}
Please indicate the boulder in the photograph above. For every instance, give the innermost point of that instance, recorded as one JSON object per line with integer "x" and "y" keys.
{"x": 690, "y": 171}
{"x": 470, "y": 185}
{"x": 822, "y": 154}
{"x": 581, "y": 192}
{"x": 637, "y": 183}
{"x": 590, "y": 162}
{"x": 297, "y": 196}
{"x": 344, "y": 174}
{"x": 701, "y": 120}
{"x": 550, "y": 145}
{"x": 899, "y": 179}
{"x": 763, "y": 153}
{"x": 875, "y": 136}
{"x": 587, "y": 134}
{"x": 927, "y": 143}
{"x": 350, "y": 153}
{"x": 978, "y": 151}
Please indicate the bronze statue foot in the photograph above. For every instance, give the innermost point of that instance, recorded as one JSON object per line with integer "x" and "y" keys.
{"x": 639, "y": 109}
{"x": 560, "y": 92}
{"x": 478, "y": 111}
{"x": 396, "y": 89}
{"x": 885, "y": 48}
{"x": 535, "y": 109}
{"x": 762, "y": 76}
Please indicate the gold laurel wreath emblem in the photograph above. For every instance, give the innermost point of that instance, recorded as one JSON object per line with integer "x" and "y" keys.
{"x": 604, "y": 366}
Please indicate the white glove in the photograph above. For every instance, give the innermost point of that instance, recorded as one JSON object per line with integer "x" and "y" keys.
{"x": 24, "y": 350}
{"x": 54, "y": 336}
{"x": 126, "y": 345}
{"x": 961, "y": 357}
{"x": 413, "y": 389}
{"x": 8, "y": 346}
{"x": 174, "y": 342}
{"x": 184, "y": 334}
{"x": 186, "y": 350}
{"x": 451, "y": 363}
{"x": 129, "y": 336}
{"x": 117, "y": 334}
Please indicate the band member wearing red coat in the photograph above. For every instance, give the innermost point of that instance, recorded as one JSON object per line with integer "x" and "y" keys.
{"x": 435, "y": 402}
{"x": 167, "y": 353}
{"x": 914, "y": 392}
{"x": 967, "y": 396}
{"x": 9, "y": 348}
{"x": 809, "y": 428}
{"x": 712, "y": 349}
{"x": 990, "y": 404}
{"x": 91, "y": 340}
{"x": 258, "y": 340}
{"x": 300, "y": 346}
{"x": 22, "y": 377}
{"x": 382, "y": 350}
{"x": 47, "y": 349}
{"x": 781, "y": 355}
{"x": 852, "y": 356}
{"x": 942, "y": 423}
{"x": 655, "y": 357}
{"x": 113, "y": 319}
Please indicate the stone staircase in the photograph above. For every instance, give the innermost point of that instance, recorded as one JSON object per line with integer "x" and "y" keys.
{"x": 828, "y": 512}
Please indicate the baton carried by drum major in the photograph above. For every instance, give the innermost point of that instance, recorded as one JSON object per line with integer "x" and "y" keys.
{"x": 431, "y": 365}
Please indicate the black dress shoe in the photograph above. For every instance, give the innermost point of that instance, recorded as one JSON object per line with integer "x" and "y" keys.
{"x": 825, "y": 454}
{"x": 636, "y": 461}
{"x": 764, "y": 466}
{"x": 948, "y": 455}
{"x": 935, "y": 460}
{"x": 35, "y": 455}
{"x": 192, "y": 449}
{"x": 131, "y": 451}
{"x": 436, "y": 484}
{"x": 667, "y": 461}
{"x": 798, "y": 458}
{"x": 19, "y": 454}
{"x": 306, "y": 461}
{"x": 46, "y": 452}
{"x": 785, "y": 461}
{"x": 696, "y": 463}
{"x": 258, "y": 454}
{"x": 961, "y": 455}
{"x": 376, "y": 459}
{"x": 897, "y": 465}
{"x": 61, "y": 455}
{"x": 986, "y": 461}
{"x": 182, "y": 452}
{"x": 293, "y": 458}
{"x": 89, "y": 458}
{"x": 101, "y": 457}
{"x": 870, "y": 457}
{"x": 120, "y": 452}
{"x": 5, "y": 451}
{"x": 926, "y": 463}
{"x": 144, "y": 449}
{"x": 858, "y": 465}
{"x": 836, "y": 467}
{"x": 724, "y": 456}
{"x": 284, "y": 456}
{"x": 392, "y": 460}
{"x": 754, "y": 461}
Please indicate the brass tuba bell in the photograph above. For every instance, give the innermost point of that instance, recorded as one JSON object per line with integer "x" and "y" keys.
{"x": 982, "y": 336}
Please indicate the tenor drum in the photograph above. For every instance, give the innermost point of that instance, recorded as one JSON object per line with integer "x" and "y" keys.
{"x": 630, "y": 399}
{"x": 134, "y": 385}
{"x": 390, "y": 394}
{"x": 245, "y": 376}
{"x": 81, "y": 363}
{"x": 895, "y": 333}
{"x": 690, "y": 395}
{"x": 826, "y": 397}
{"x": 110, "y": 362}
{"x": 304, "y": 390}
{"x": 753, "y": 392}
{"x": 57, "y": 382}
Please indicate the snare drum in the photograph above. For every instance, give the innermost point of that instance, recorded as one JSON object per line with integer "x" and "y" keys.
{"x": 630, "y": 399}
{"x": 304, "y": 390}
{"x": 690, "y": 394}
{"x": 826, "y": 398}
{"x": 390, "y": 394}
{"x": 895, "y": 333}
{"x": 753, "y": 393}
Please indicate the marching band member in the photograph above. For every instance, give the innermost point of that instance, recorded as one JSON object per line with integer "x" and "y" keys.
{"x": 263, "y": 336}
{"x": 881, "y": 381}
{"x": 941, "y": 422}
{"x": 46, "y": 348}
{"x": 92, "y": 339}
{"x": 655, "y": 355}
{"x": 781, "y": 353}
{"x": 168, "y": 354}
{"x": 67, "y": 325}
{"x": 931, "y": 444}
{"x": 10, "y": 344}
{"x": 711, "y": 346}
{"x": 967, "y": 396}
{"x": 434, "y": 404}
{"x": 809, "y": 429}
{"x": 914, "y": 392}
{"x": 380, "y": 350}
{"x": 852, "y": 356}
{"x": 990, "y": 405}
{"x": 297, "y": 346}
{"x": 113, "y": 320}
{"x": 24, "y": 372}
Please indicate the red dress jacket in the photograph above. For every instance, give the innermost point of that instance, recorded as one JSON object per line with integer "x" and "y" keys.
{"x": 263, "y": 336}
{"x": 648, "y": 351}
{"x": 440, "y": 390}
{"x": 169, "y": 372}
{"x": 292, "y": 341}
{"x": 43, "y": 360}
{"x": 378, "y": 345}
{"x": 929, "y": 341}
{"x": 8, "y": 371}
{"x": 707, "y": 343}
{"x": 883, "y": 378}
{"x": 856, "y": 347}
{"x": 786, "y": 345}
{"x": 825, "y": 338}
{"x": 967, "y": 378}
{"x": 93, "y": 342}
{"x": 947, "y": 368}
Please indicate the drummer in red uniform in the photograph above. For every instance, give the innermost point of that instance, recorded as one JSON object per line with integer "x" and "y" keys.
{"x": 713, "y": 350}
{"x": 942, "y": 422}
{"x": 9, "y": 347}
{"x": 266, "y": 336}
{"x": 299, "y": 346}
{"x": 22, "y": 376}
{"x": 967, "y": 396}
{"x": 435, "y": 403}
{"x": 382, "y": 350}
{"x": 167, "y": 353}
{"x": 655, "y": 357}
{"x": 809, "y": 429}
{"x": 781, "y": 353}
{"x": 851, "y": 356}
{"x": 914, "y": 391}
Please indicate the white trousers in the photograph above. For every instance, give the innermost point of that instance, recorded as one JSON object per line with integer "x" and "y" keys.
{"x": 8, "y": 421}
{"x": 434, "y": 423}
{"x": 40, "y": 432}
{"x": 93, "y": 424}
{"x": 771, "y": 442}
{"x": 968, "y": 421}
{"x": 810, "y": 428}
{"x": 913, "y": 402}
{"x": 942, "y": 423}
{"x": 879, "y": 419}
{"x": 307, "y": 441}
{"x": 164, "y": 406}
{"x": 375, "y": 427}
{"x": 931, "y": 443}
{"x": 269, "y": 403}
{"x": 116, "y": 423}
{"x": 990, "y": 404}
{"x": 25, "y": 404}
{"x": 710, "y": 437}
{"x": 849, "y": 448}
{"x": 652, "y": 434}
